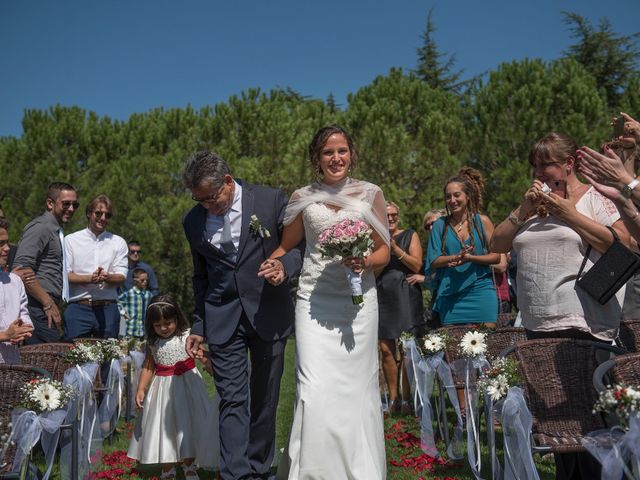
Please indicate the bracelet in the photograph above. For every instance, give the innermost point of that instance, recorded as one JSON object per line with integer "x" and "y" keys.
{"x": 402, "y": 256}
{"x": 48, "y": 307}
{"x": 515, "y": 220}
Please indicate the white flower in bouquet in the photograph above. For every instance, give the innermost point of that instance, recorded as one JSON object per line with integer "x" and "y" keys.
{"x": 473, "y": 344}
{"x": 47, "y": 396}
{"x": 620, "y": 400}
{"x": 84, "y": 352}
{"x": 434, "y": 343}
{"x": 498, "y": 377}
{"x": 111, "y": 350}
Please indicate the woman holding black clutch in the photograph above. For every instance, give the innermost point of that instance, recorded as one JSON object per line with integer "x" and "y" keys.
{"x": 551, "y": 231}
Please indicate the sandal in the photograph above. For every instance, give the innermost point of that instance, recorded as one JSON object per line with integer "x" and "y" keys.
{"x": 168, "y": 474}
{"x": 191, "y": 471}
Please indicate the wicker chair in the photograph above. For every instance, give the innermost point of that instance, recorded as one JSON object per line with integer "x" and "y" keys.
{"x": 559, "y": 392}
{"x": 622, "y": 370}
{"x": 505, "y": 320}
{"x": 629, "y": 335}
{"x": 12, "y": 377}
{"x": 503, "y": 338}
{"x": 48, "y": 356}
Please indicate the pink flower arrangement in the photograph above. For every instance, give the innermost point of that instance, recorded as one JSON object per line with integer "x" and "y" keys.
{"x": 348, "y": 238}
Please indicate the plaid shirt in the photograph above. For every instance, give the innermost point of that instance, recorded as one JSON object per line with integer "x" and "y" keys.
{"x": 134, "y": 302}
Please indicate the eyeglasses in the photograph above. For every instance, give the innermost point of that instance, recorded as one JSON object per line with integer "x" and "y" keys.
{"x": 99, "y": 214}
{"x": 210, "y": 198}
{"x": 135, "y": 252}
{"x": 66, "y": 204}
{"x": 4, "y": 243}
{"x": 392, "y": 215}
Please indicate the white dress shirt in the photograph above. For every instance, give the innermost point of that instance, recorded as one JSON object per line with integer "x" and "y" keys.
{"x": 13, "y": 305}
{"x": 215, "y": 223}
{"x": 85, "y": 253}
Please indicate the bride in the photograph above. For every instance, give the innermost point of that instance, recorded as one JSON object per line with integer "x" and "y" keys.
{"x": 337, "y": 427}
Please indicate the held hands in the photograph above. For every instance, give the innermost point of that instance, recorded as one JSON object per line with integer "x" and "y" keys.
{"x": 357, "y": 264}
{"x": 272, "y": 270}
{"x": 462, "y": 257}
{"x": 193, "y": 345}
{"x": 18, "y": 331}
{"x": 99, "y": 276}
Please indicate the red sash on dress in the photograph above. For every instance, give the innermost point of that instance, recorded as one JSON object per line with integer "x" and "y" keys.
{"x": 178, "y": 369}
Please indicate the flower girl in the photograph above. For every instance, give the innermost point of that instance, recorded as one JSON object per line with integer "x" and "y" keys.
{"x": 178, "y": 423}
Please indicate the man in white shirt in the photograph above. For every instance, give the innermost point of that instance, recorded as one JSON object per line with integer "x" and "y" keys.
{"x": 96, "y": 262}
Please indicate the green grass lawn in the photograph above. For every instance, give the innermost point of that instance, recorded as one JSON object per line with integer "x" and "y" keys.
{"x": 405, "y": 460}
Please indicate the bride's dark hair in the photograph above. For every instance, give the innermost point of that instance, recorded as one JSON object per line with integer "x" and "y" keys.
{"x": 320, "y": 139}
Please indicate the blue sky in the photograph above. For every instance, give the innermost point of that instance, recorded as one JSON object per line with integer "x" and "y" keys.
{"x": 118, "y": 57}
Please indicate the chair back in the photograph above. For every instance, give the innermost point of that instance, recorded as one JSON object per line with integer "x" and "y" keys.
{"x": 629, "y": 335}
{"x": 12, "y": 378}
{"x": 48, "y": 356}
{"x": 621, "y": 370}
{"x": 559, "y": 390}
{"x": 455, "y": 333}
{"x": 502, "y": 338}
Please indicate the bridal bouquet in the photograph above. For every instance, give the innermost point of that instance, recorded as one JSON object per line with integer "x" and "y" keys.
{"x": 501, "y": 375}
{"x": 621, "y": 400}
{"x": 45, "y": 395}
{"x": 348, "y": 238}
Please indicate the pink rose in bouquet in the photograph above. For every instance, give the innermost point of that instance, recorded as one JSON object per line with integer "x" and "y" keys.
{"x": 348, "y": 238}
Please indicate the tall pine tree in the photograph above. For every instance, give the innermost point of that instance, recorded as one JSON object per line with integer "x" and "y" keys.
{"x": 610, "y": 57}
{"x": 434, "y": 67}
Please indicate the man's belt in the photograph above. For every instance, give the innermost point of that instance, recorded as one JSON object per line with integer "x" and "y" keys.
{"x": 94, "y": 303}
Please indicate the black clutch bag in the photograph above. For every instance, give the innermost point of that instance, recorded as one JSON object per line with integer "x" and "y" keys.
{"x": 612, "y": 270}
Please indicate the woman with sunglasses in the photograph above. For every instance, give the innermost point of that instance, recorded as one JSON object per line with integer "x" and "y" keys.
{"x": 399, "y": 304}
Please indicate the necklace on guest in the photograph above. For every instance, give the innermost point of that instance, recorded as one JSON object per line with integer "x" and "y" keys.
{"x": 458, "y": 227}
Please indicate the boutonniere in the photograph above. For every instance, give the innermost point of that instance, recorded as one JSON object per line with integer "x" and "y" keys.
{"x": 257, "y": 229}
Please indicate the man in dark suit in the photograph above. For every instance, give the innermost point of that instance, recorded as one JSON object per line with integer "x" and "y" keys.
{"x": 232, "y": 231}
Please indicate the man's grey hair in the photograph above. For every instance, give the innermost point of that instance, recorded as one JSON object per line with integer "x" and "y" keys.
{"x": 202, "y": 167}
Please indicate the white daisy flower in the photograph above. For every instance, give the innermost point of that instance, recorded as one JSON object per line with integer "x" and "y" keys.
{"x": 433, "y": 343}
{"x": 47, "y": 396}
{"x": 473, "y": 344}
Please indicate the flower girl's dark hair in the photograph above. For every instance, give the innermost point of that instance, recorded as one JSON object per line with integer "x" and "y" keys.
{"x": 164, "y": 306}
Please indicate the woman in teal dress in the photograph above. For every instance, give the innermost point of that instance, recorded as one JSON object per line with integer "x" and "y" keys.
{"x": 458, "y": 254}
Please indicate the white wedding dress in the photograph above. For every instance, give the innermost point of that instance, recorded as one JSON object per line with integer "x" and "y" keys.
{"x": 337, "y": 431}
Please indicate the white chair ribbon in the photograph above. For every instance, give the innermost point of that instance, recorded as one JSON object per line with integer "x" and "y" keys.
{"x": 111, "y": 405}
{"x": 618, "y": 451}
{"x": 516, "y": 420}
{"x": 84, "y": 409}
{"x": 28, "y": 428}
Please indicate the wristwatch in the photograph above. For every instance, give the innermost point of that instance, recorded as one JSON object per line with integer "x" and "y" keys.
{"x": 627, "y": 190}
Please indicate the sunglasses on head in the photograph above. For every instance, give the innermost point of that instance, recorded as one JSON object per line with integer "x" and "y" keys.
{"x": 99, "y": 214}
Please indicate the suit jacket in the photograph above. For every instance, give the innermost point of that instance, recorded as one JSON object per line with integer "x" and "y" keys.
{"x": 224, "y": 289}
